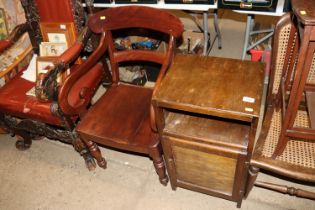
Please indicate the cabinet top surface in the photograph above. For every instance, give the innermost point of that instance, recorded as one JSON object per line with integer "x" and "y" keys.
{"x": 304, "y": 10}
{"x": 216, "y": 86}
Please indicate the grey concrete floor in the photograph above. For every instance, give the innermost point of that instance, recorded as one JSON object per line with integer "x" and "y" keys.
{"x": 52, "y": 176}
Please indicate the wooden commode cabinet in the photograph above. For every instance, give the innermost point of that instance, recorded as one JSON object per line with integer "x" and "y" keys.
{"x": 207, "y": 111}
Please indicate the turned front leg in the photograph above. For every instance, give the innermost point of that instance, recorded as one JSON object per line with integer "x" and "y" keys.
{"x": 158, "y": 162}
{"x": 96, "y": 153}
{"x": 82, "y": 149}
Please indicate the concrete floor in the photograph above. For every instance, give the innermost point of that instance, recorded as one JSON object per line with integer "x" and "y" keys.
{"x": 52, "y": 176}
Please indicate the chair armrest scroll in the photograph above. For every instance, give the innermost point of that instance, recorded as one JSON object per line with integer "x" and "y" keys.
{"x": 85, "y": 92}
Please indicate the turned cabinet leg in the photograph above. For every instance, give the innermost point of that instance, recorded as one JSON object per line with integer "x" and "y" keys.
{"x": 253, "y": 173}
{"x": 96, "y": 153}
{"x": 82, "y": 149}
{"x": 158, "y": 162}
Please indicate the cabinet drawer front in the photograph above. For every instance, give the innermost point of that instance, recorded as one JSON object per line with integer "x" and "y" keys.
{"x": 206, "y": 170}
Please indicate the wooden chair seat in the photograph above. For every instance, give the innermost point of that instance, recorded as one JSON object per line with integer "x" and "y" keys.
{"x": 121, "y": 119}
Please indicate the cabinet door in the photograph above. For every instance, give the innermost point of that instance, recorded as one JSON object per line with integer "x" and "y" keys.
{"x": 204, "y": 168}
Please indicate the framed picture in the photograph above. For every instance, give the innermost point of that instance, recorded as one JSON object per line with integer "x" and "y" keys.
{"x": 45, "y": 64}
{"x": 58, "y": 33}
{"x": 3, "y": 25}
{"x": 52, "y": 48}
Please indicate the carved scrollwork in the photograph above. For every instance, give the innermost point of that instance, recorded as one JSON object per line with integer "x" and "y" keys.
{"x": 91, "y": 43}
{"x": 90, "y": 6}
{"x": 37, "y": 128}
{"x": 32, "y": 17}
{"x": 47, "y": 86}
{"x": 78, "y": 14}
{"x": 84, "y": 35}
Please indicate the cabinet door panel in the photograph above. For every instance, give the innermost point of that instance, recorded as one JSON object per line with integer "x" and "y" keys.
{"x": 210, "y": 171}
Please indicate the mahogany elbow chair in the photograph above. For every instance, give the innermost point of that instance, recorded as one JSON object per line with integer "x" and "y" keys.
{"x": 58, "y": 107}
{"x": 124, "y": 118}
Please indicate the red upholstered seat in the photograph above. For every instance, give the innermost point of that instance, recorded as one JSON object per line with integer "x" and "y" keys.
{"x": 19, "y": 104}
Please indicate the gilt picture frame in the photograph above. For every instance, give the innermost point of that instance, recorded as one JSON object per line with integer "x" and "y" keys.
{"x": 58, "y": 33}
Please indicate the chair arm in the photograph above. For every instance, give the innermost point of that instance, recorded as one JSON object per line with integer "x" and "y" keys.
{"x": 47, "y": 86}
{"x": 5, "y": 72}
{"x": 17, "y": 32}
{"x": 84, "y": 94}
{"x": 165, "y": 67}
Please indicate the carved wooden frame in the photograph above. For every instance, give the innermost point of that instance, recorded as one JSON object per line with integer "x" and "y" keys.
{"x": 49, "y": 60}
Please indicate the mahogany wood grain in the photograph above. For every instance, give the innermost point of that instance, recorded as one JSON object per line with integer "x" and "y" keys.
{"x": 68, "y": 88}
{"x": 136, "y": 17}
{"x": 132, "y": 109}
{"x": 219, "y": 90}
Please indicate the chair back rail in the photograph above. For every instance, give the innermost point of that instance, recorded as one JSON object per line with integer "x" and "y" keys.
{"x": 135, "y": 17}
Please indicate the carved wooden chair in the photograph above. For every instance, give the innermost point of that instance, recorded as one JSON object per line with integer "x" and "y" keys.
{"x": 59, "y": 106}
{"x": 297, "y": 160}
{"x": 124, "y": 118}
